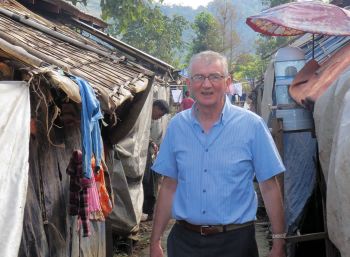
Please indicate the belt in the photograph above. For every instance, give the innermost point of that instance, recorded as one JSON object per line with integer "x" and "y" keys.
{"x": 212, "y": 229}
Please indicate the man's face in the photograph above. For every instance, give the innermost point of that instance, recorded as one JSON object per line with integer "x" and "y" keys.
{"x": 209, "y": 92}
{"x": 157, "y": 113}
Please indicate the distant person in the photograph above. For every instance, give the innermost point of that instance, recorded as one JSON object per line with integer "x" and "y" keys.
{"x": 150, "y": 179}
{"x": 187, "y": 102}
{"x": 209, "y": 157}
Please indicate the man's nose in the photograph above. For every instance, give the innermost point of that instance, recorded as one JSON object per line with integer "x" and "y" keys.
{"x": 206, "y": 82}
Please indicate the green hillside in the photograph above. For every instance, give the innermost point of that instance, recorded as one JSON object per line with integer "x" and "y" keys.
{"x": 243, "y": 9}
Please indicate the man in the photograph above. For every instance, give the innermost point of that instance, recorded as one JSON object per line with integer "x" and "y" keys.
{"x": 187, "y": 102}
{"x": 209, "y": 157}
{"x": 150, "y": 180}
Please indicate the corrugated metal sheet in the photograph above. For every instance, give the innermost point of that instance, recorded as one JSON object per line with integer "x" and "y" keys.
{"x": 324, "y": 46}
{"x": 109, "y": 76}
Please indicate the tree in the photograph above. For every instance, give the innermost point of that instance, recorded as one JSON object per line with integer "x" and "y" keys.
{"x": 141, "y": 24}
{"x": 207, "y": 34}
{"x": 225, "y": 14}
{"x": 123, "y": 12}
{"x": 266, "y": 45}
{"x": 157, "y": 34}
{"x": 248, "y": 66}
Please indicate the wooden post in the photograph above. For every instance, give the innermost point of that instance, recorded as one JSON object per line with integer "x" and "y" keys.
{"x": 109, "y": 238}
{"x": 277, "y": 135}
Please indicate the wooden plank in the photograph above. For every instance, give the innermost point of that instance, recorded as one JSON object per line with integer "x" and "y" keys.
{"x": 306, "y": 237}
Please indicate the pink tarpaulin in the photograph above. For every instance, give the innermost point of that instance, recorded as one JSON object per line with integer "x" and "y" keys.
{"x": 299, "y": 17}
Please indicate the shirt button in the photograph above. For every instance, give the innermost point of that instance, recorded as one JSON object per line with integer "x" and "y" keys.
{"x": 203, "y": 212}
{"x": 204, "y": 190}
{"x": 202, "y": 131}
{"x": 205, "y": 170}
{"x": 206, "y": 150}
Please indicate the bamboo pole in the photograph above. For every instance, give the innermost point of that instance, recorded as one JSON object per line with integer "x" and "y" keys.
{"x": 35, "y": 53}
{"x": 51, "y": 32}
{"x": 20, "y": 54}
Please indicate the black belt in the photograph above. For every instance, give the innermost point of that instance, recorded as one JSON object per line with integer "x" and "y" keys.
{"x": 205, "y": 230}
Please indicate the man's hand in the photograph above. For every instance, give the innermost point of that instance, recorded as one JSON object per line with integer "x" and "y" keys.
{"x": 155, "y": 147}
{"x": 278, "y": 248}
{"x": 162, "y": 215}
{"x": 156, "y": 249}
{"x": 271, "y": 193}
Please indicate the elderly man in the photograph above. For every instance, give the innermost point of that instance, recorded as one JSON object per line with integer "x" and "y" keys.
{"x": 209, "y": 157}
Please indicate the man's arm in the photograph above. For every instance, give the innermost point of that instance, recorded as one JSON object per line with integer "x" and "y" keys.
{"x": 273, "y": 201}
{"x": 162, "y": 215}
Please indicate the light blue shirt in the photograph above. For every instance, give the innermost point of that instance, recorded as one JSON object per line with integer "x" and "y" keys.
{"x": 215, "y": 170}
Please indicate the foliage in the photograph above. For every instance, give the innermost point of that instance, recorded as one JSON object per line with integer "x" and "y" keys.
{"x": 207, "y": 34}
{"x": 141, "y": 24}
{"x": 248, "y": 66}
{"x": 124, "y": 12}
{"x": 267, "y": 45}
{"x": 156, "y": 34}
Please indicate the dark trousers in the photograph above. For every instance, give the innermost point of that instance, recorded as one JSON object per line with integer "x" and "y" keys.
{"x": 236, "y": 243}
{"x": 150, "y": 186}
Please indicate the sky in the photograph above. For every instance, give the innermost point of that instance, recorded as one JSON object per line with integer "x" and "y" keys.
{"x": 193, "y": 3}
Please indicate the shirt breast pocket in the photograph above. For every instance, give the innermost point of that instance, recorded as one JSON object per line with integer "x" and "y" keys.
{"x": 234, "y": 163}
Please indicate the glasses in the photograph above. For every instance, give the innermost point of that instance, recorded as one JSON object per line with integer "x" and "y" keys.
{"x": 213, "y": 78}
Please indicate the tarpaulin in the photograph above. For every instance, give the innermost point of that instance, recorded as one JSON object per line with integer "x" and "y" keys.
{"x": 332, "y": 119}
{"x": 314, "y": 79}
{"x": 128, "y": 163}
{"x": 14, "y": 152}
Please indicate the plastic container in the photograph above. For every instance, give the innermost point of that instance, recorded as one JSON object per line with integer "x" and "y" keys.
{"x": 298, "y": 119}
{"x": 288, "y": 62}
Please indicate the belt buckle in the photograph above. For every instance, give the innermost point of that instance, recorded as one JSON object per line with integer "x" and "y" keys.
{"x": 201, "y": 230}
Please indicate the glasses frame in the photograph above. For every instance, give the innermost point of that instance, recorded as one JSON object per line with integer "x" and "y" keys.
{"x": 201, "y": 78}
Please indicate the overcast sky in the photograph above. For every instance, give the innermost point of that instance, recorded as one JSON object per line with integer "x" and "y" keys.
{"x": 193, "y": 3}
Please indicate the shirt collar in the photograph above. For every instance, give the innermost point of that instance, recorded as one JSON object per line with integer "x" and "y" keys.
{"x": 224, "y": 113}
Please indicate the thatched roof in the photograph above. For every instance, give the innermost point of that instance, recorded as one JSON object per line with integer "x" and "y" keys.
{"x": 36, "y": 42}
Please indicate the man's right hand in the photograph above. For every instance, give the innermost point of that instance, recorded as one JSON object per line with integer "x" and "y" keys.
{"x": 156, "y": 249}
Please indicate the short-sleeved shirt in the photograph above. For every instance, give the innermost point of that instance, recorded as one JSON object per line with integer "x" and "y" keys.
{"x": 215, "y": 170}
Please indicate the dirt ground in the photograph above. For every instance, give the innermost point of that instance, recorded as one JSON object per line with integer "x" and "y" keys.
{"x": 141, "y": 247}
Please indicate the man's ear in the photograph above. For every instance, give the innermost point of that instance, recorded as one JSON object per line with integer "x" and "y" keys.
{"x": 228, "y": 81}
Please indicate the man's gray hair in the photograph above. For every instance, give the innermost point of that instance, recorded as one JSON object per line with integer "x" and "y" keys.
{"x": 208, "y": 57}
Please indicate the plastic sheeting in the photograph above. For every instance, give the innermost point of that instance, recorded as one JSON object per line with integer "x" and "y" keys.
{"x": 14, "y": 152}
{"x": 266, "y": 101}
{"x": 48, "y": 230}
{"x": 332, "y": 122}
{"x": 128, "y": 165}
{"x": 299, "y": 149}
{"x": 300, "y": 175}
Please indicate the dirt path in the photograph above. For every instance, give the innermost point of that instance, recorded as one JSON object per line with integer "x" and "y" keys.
{"x": 141, "y": 248}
